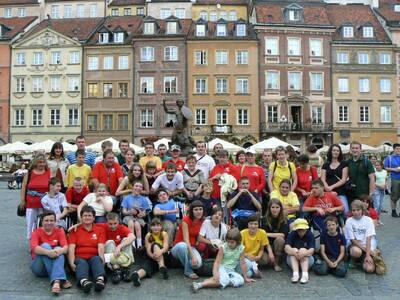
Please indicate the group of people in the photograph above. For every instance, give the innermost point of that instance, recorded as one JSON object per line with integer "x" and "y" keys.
{"x": 239, "y": 214}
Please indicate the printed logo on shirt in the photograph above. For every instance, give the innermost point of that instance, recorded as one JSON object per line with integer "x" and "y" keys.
{"x": 255, "y": 173}
{"x": 112, "y": 170}
{"x": 118, "y": 237}
{"x": 94, "y": 236}
{"x": 227, "y": 169}
{"x": 55, "y": 241}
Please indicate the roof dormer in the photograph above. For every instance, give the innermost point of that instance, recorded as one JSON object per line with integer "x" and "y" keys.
{"x": 172, "y": 25}
{"x": 367, "y": 30}
{"x": 221, "y": 28}
{"x": 241, "y": 28}
{"x": 149, "y": 25}
{"x": 201, "y": 27}
{"x": 293, "y": 13}
{"x": 104, "y": 35}
{"x": 347, "y": 30}
{"x": 119, "y": 35}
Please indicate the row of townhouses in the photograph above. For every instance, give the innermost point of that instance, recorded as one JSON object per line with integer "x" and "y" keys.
{"x": 304, "y": 71}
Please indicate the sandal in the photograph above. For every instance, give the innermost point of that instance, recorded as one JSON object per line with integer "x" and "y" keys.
{"x": 86, "y": 285}
{"x": 56, "y": 287}
{"x": 99, "y": 285}
{"x": 66, "y": 284}
{"x": 193, "y": 276}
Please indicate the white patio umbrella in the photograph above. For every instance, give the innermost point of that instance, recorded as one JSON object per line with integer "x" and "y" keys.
{"x": 385, "y": 148}
{"x": 164, "y": 141}
{"x": 270, "y": 143}
{"x": 97, "y": 146}
{"x": 364, "y": 148}
{"x": 68, "y": 147}
{"x": 138, "y": 150}
{"x": 227, "y": 146}
{"x": 44, "y": 146}
{"x": 324, "y": 149}
{"x": 14, "y": 147}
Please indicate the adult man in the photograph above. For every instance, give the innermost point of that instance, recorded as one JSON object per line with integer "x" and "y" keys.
{"x": 105, "y": 146}
{"x": 123, "y": 147}
{"x": 162, "y": 152}
{"x": 81, "y": 144}
{"x": 266, "y": 161}
{"x": 392, "y": 165}
{"x": 176, "y": 152}
{"x": 361, "y": 172}
{"x": 149, "y": 150}
{"x": 205, "y": 162}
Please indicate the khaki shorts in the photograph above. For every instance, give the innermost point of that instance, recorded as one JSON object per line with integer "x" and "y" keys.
{"x": 132, "y": 218}
{"x": 395, "y": 190}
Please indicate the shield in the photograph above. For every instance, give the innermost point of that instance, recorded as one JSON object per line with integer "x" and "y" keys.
{"x": 187, "y": 113}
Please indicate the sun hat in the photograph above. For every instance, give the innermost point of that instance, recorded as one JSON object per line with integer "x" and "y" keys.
{"x": 300, "y": 224}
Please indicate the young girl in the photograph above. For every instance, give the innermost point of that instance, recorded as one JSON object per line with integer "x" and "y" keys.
{"x": 369, "y": 209}
{"x": 225, "y": 271}
{"x": 205, "y": 198}
{"x": 135, "y": 174}
{"x": 156, "y": 243}
{"x": 129, "y": 161}
{"x": 381, "y": 185}
{"x": 100, "y": 201}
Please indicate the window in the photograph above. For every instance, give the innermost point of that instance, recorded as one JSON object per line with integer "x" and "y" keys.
{"x": 232, "y": 15}
{"x": 108, "y": 62}
{"x": 213, "y": 16}
{"x": 204, "y": 16}
{"x": 73, "y": 83}
{"x": 73, "y": 117}
{"x": 107, "y": 90}
{"x": 55, "y": 11}
{"x": 385, "y": 85}
{"x": 38, "y": 58}
{"x": 123, "y": 62}
{"x": 55, "y": 117}
{"x": 223, "y": 14}
{"x": 21, "y": 12}
{"x": 242, "y": 85}
{"x": 342, "y": 57}
{"x": 343, "y": 113}
{"x": 20, "y": 84}
{"x": 271, "y": 46}
{"x": 123, "y": 122}
{"x": 294, "y": 15}
{"x": 148, "y": 28}
{"x": 37, "y": 84}
{"x": 170, "y": 84}
{"x": 56, "y": 58}
{"x": 221, "y": 57}
{"x": 147, "y": 54}
{"x": 103, "y": 38}
{"x": 74, "y": 57}
{"x": 68, "y": 11}
{"x": 123, "y": 90}
{"x": 115, "y": 12}
{"x": 272, "y": 80}
{"x": 386, "y": 113}
{"x": 180, "y": 13}
{"x": 172, "y": 27}
{"x": 317, "y": 81}
{"x": 171, "y": 53}
{"x": 200, "y": 30}
{"x": 93, "y": 63}
{"x": 80, "y": 11}
{"x": 92, "y": 122}
{"x": 55, "y": 83}
{"x": 294, "y": 80}
{"x": 19, "y": 117}
{"x": 165, "y": 13}
{"x": 272, "y": 114}
{"x": 293, "y": 46}
{"x": 397, "y": 8}
{"x": 118, "y": 37}
{"x": 241, "y": 30}
{"x": 200, "y": 57}
{"x": 316, "y": 114}
{"x": 140, "y": 11}
{"x": 7, "y": 12}
{"x": 21, "y": 59}
{"x": 343, "y": 85}
{"x": 93, "y": 10}
{"x": 107, "y": 122}
{"x": 147, "y": 85}
{"x": 368, "y": 32}
{"x": 127, "y": 11}
{"x": 200, "y": 85}
{"x": 243, "y": 116}
{"x": 146, "y": 118}
{"x": 222, "y": 116}
{"x": 201, "y": 116}
{"x": 348, "y": 31}
{"x": 363, "y": 85}
{"x": 221, "y": 85}
{"x": 365, "y": 114}
{"x": 221, "y": 30}
{"x": 385, "y": 58}
{"x": 37, "y": 117}
{"x": 93, "y": 90}
{"x": 315, "y": 47}
{"x": 242, "y": 57}
{"x": 363, "y": 58}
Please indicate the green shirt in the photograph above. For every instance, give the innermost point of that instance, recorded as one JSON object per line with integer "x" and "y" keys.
{"x": 358, "y": 173}
{"x": 231, "y": 257}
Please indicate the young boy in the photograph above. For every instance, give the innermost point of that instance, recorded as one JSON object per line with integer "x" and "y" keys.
{"x": 171, "y": 181}
{"x": 80, "y": 169}
{"x": 55, "y": 201}
{"x": 332, "y": 250}
{"x": 75, "y": 195}
{"x": 134, "y": 208}
{"x": 208, "y": 202}
{"x": 255, "y": 240}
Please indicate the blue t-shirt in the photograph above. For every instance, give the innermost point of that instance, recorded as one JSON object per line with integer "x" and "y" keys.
{"x": 169, "y": 205}
{"x": 139, "y": 202}
{"x": 393, "y": 161}
{"x": 244, "y": 202}
{"x": 332, "y": 244}
{"x": 90, "y": 158}
{"x": 295, "y": 241}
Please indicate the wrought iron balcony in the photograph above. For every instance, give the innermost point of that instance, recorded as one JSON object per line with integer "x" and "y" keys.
{"x": 221, "y": 129}
{"x": 304, "y": 127}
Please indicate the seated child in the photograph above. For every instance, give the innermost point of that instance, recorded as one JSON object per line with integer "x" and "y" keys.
{"x": 205, "y": 198}
{"x": 100, "y": 201}
{"x": 75, "y": 195}
{"x": 171, "y": 180}
{"x": 55, "y": 201}
{"x": 369, "y": 210}
{"x": 230, "y": 258}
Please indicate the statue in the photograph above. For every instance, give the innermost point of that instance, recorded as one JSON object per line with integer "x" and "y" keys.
{"x": 180, "y": 134}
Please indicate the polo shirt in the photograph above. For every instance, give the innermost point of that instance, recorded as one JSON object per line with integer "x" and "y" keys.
{"x": 194, "y": 230}
{"x": 332, "y": 244}
{"x": 281, "y": 172}
{"x": 74, "y": 171}
{"x": 87, "y": 241}
{"x": 328, "y": 200}
{"x": 165, "y": 158}
{"x": 116, "y": 235}
{"x": 253, "y": 243}
{"x": 220, "y": 169}
{"x": 74, "y": 197}
{"x": 180, "y": 164}
{"x": 55, "y": 238}
{"x": 393, "y": 161}
{"x": 108, "y": 176}
{"x": 145, "y": 159}
{"x": 290, "y": 200}
{"x": 295, "y": 241}
{"x": 358, "y": 174}
{"x": 90, "y": 157}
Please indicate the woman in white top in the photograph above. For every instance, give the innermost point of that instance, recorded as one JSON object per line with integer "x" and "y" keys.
{"x": 100, "y": 201}
{"x": 57, "y": 163}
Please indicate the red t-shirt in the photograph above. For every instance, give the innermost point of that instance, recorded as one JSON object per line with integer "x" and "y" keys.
{"x": 194, "y": 230}
{"x": 87, "y": 241}
{"x": 108, "y": 176}
{"x": 219, "y": 169}
{"x": 328, "y": 200}
{"x": 180, "y": 164}
{"x": 55, "y": 238}
{"x": 38, "y": 183}
{"x": 117, "y": 235}
{"x": 74, "y": 197}
{"x": 305, "y": 178}
{"x": 256, "y": 177}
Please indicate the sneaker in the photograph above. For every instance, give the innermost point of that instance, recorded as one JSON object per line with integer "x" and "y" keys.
{"x": 99, "y": 285}
{"x": 304, "y": 278}
{"x": 195, "y": 287}
{"x": 164, "y": 273}
{"x": 125, "y": 274}
{"x": 86, "y": 285}
{"x": 116, "y": 276}
{"x": 135, "y": 278}
{"x": 295, "y": 278}
{"x": 256, "y": 271}
{"x": 394, "y": 214}
{"x": 380, "y": 223}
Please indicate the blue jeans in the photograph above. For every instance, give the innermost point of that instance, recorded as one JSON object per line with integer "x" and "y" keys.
{"x": 44, "y": 266}
{"x": 100, "y": 219}
{"x": 322, "y": 268}
{"x": 345, "y": 203}
{"x": 84, "y": 266}
{"x": 377, "y": 199}
{"x": 180, "y": 252}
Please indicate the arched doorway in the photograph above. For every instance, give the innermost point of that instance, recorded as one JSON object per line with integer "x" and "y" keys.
{"x": 247, "y": 145}
{"x": 318, "y": 142}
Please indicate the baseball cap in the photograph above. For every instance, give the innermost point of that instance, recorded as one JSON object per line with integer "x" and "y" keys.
{"x": 175, "y": 147}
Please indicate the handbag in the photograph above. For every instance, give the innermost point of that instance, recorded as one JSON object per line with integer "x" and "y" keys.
{"x": 21, "y": 211}
{"x": 349, "y": 187}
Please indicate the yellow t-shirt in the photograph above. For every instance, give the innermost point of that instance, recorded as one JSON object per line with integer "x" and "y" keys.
{"x": 145, "y": 159}
{"x": 281, "y": 172}
{"x": 74, "y": 171}
{"x": 253, "y": 243}
{"x": 157, "y": 237}
{"x": 290, "y": 200}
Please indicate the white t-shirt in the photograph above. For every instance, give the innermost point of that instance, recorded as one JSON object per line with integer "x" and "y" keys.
{"x": 98, "y": 206}
{"x": 205, "y": 163}
{"x": 361, "y": 229}
{"x": 173, "y": 185}
{"x": 210, "y": 232}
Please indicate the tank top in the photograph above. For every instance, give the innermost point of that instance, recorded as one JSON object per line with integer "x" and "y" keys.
{"x": 157, "y": 237}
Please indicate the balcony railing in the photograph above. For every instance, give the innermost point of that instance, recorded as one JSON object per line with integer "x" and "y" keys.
{"x": 266, "y": 127}
{"x": 221, "y": 129}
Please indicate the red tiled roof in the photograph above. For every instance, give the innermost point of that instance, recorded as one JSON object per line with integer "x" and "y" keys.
{"x": 18, "y": 2}
{"x": 211, "y": 28}
{"x": 16, "y": 25}
{"x": 75, "y": 0}
{"x": 386, "y": 10}
{"x": 222, "y": 2}
{"x": 127, "y": 2}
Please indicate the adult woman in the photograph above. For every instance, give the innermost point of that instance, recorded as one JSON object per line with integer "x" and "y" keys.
{"x": 305, "y": 175}
{"x": 34, "y": 186}
{"x": 129, "y": 161}
{"x": 186, "y": 238}
{"x": 193, "y": 178}
{"x": 135, "y": 174}
{"x": 240, "y": 158}
{"x": 217, "y": 147}
{"x": 100, "y": 201}
{"x": 334, "y": 174}
{"x": 277, "y": 229}
{"x": 48, "y": 246}
{"x": 289, "y": 200}
{"x": 57, "y": 163}
{"x": 254, "y": 172}
{"x": 86, "y": 252}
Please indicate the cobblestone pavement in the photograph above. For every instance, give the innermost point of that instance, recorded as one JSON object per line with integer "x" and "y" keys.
{"x": 17, "y": 281}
